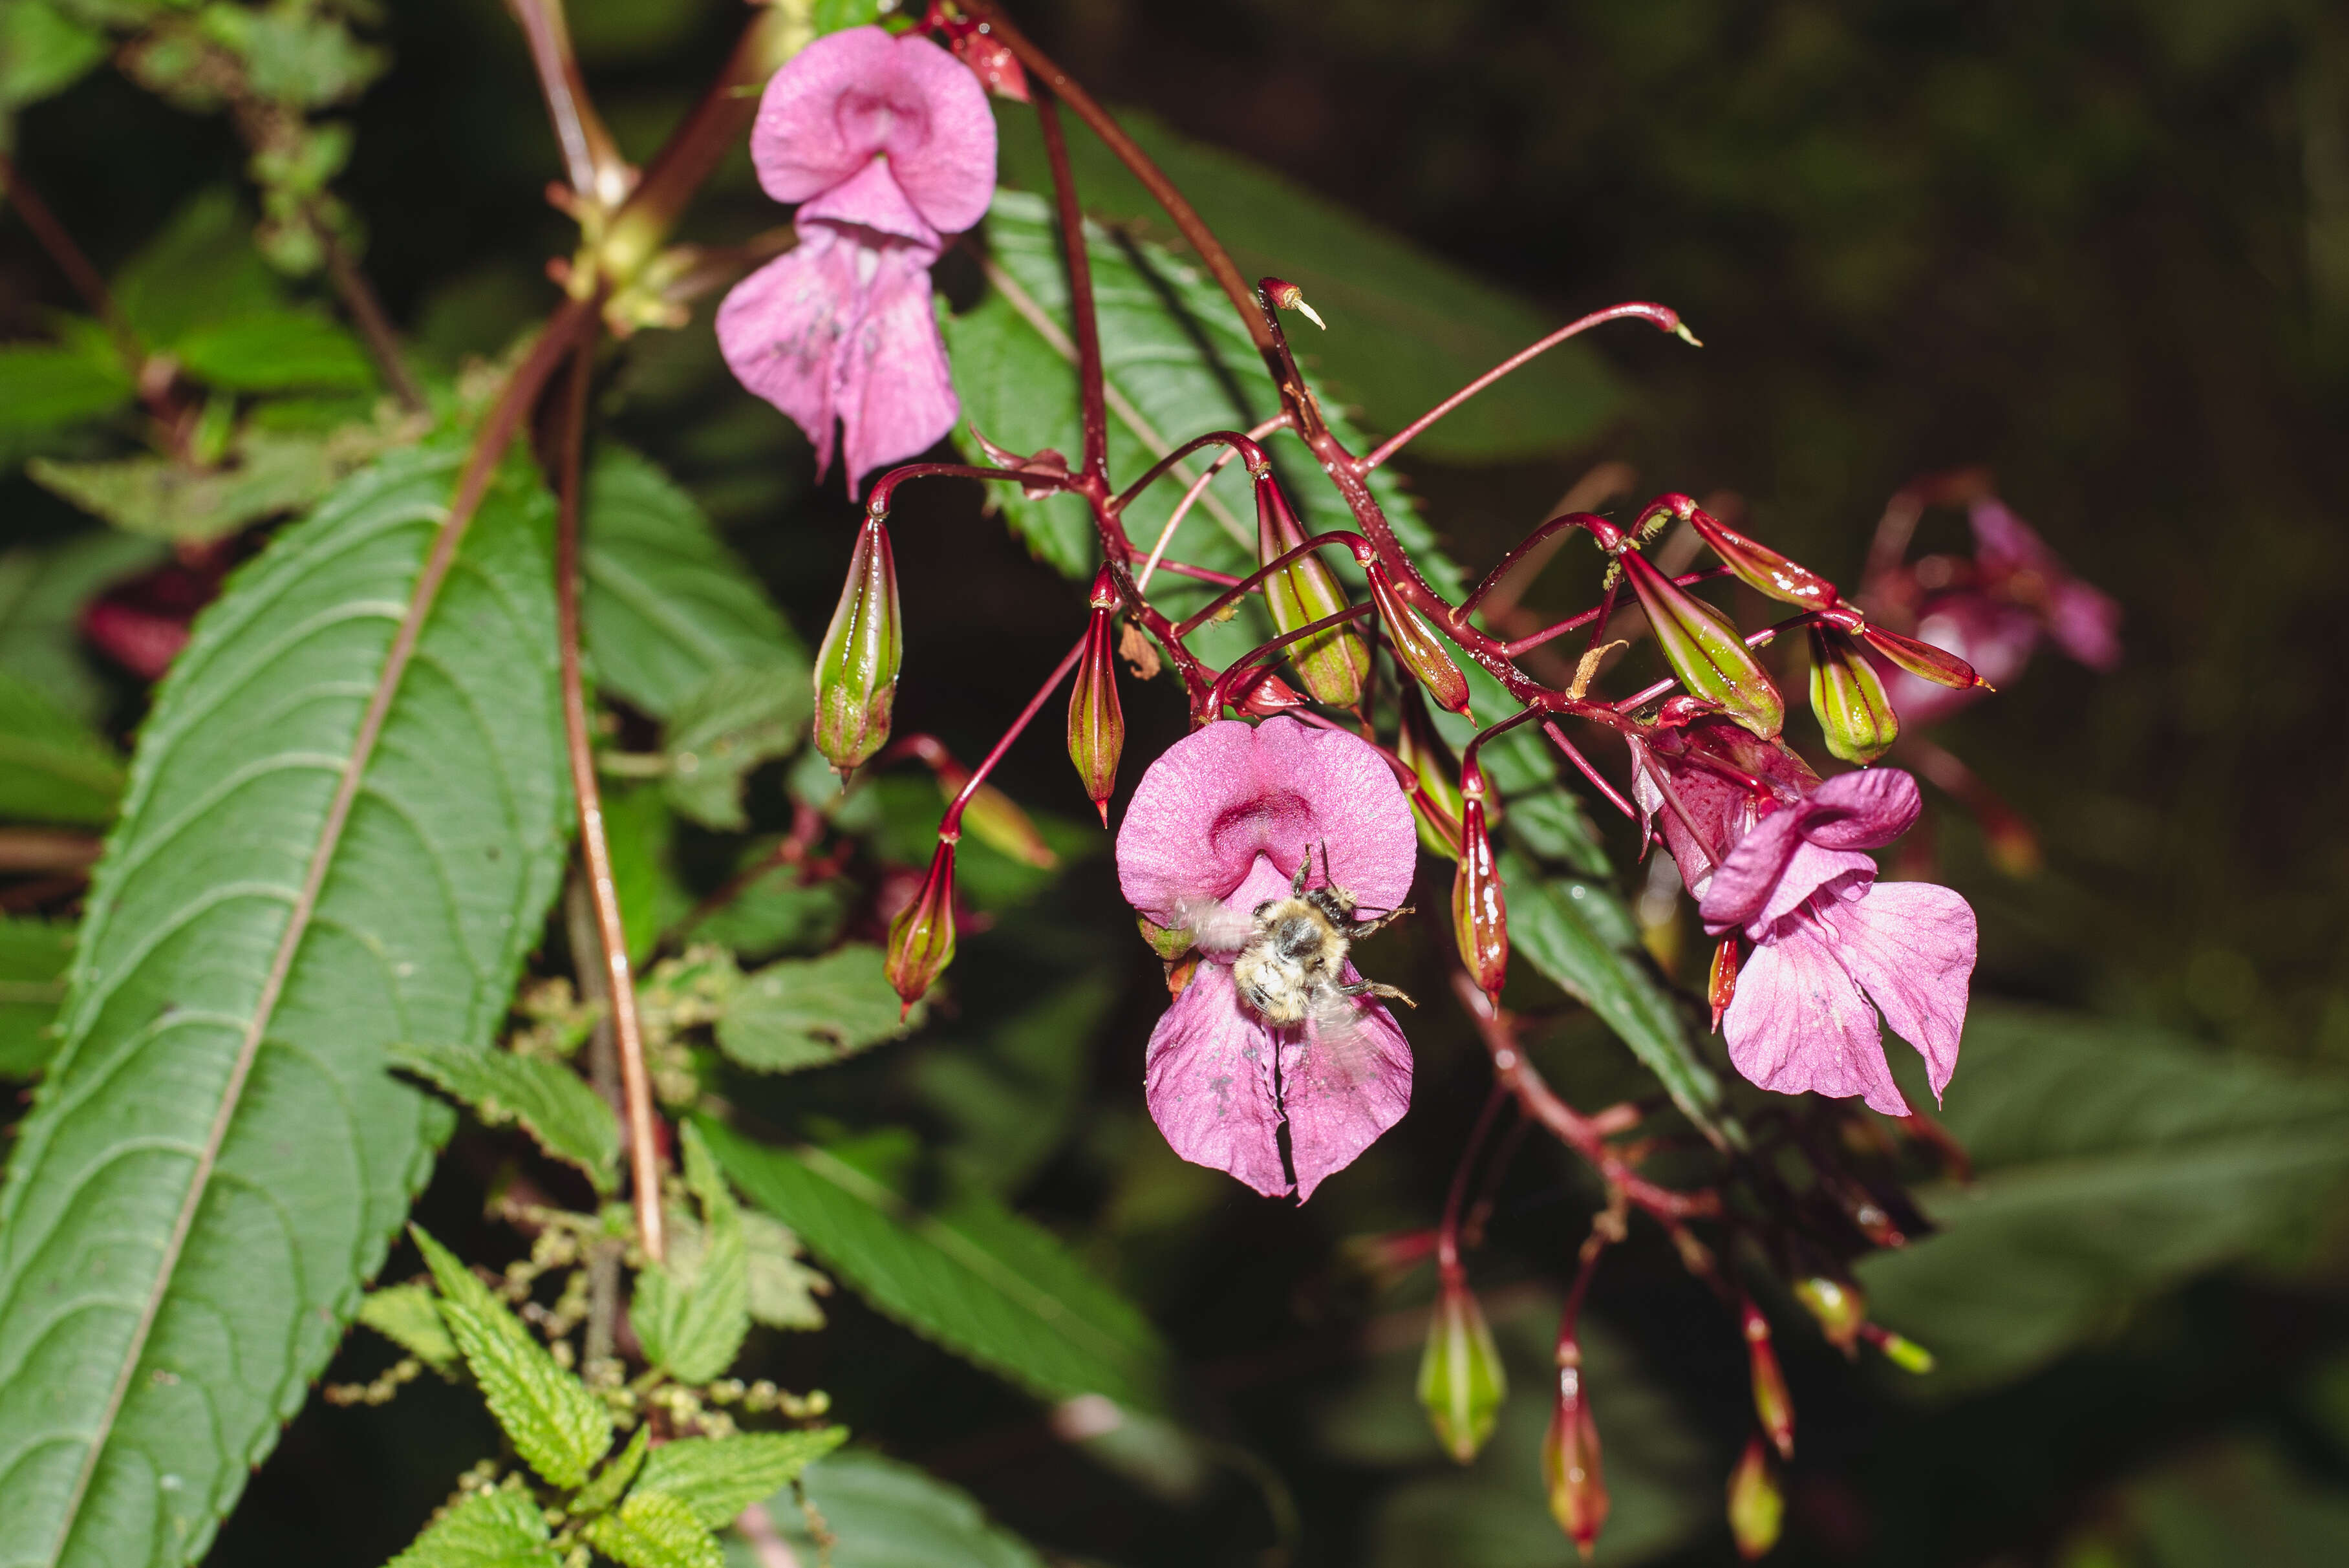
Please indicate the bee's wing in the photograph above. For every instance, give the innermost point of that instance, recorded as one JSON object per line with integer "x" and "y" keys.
{"x": 1215, "y": 926}
{"x": 1347, "y": 1039}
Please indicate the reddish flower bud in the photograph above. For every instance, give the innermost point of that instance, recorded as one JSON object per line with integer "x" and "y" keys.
{"x": 1570, "y": 1469}
{"x": 1771, "y": 1403}
{"x": 1260, "y": 694}
{"x": 1096, "y": 721}
{"x": 1416, "y": 645}
{"x": 1760, "y": 567}
{"x": 995, "y": 66}
{"x": 1756, "y": 1507}
{"x": 1436, "y": 802}
{"x": 1334, "y": 662}
{"x": 1839, "y": 1306}
{"x": 856, "y": 668}
{"x": 1461, "y": 1381}
{"x": 1923, "y": 660}
{"x": 1480, "y": 916}
{"x": 1705, "y": 651}
{"x": 1848, "y": 699}
{"x": 921, "y": 937}
{"x": 1722, "y": 990}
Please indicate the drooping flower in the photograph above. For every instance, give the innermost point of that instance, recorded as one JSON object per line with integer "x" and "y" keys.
{"x": 1702, "y": 781}
{"x": 1833, "y": 947}
{"x": 887, "y": 145}
{"x": 1219, "y": 824}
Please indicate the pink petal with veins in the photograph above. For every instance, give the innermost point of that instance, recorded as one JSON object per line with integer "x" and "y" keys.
{"x": 1911, "y": 945}
{"x": 1207, "y": 1076}
{"x": 1800, "y": 1022}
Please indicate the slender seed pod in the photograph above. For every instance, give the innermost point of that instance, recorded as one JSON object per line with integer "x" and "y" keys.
{"x": 1771, "y": 1403}
{"x": 1760, "y": 567}
{"x": 1570, "y": 1465}
{"x": 1838, "y": 1305}
{"x": 1757, "y": 1509}
{"x": 1435, "y": 801}
{"x": 856, "y": 668}
{"x": 1923, "y": 660}
{"x": 1480, "y": 916}
{"x": 1332, "y": 663}
{"x": 1722, "y": 988}
{"x": 1847, "y": 698}
{"x": 1461, "y": 1380}
{"x": 921, "y": 937}
{"x": 1416, "y": 645}
{"x": 1705, "y": 651}
{"x": 1096, "y": 721}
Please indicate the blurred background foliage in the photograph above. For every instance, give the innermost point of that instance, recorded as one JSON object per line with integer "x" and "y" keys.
{"x": 2100, "y": 246}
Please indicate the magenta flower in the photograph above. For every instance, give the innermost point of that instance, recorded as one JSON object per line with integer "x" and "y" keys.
{"x": 1829, "y": 941}
{"x": 888, "y": 146}
{"x": 1219, "y": 824}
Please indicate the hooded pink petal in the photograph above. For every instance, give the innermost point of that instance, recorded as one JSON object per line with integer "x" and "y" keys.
{"x": 1229, "y": 793}
{"x": 860, "y": 94}
{"x": 1800, "y": 1022}
{"x": 1911, "y": 945}
{"x": 870, "y": 199}
{"x": 1799, "y": 849}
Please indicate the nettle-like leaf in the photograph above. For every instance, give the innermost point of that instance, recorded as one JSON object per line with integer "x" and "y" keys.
{"x": 276, "y": 352}
{"x": 558, "y": 1427}
{"x": 557, "y": 1107}
{"x": 501, "y": 1529}
{"x": 667, "y": 605}
{"x": 1177, "y": 363}
{"x": 811, "y": 1013}
{"x": 333, "y": 839}
{"x": 409, "y": 1316}
{"x": 969, "y": 1274}
{"x": 718, "y": 1478}
{"x": 886, "y": 1514}
{"x": 42, "y": 592}
{"x": 691, "y": 1316}
{"x": 726, "y": 727}
{"x": 783, "y": 1287}
{"x": 52, "y": 767}
{"x": 34, "y": 958}
{"x": 614, "y": 1477}
{"x": 267, "y": 471}
{"x": 654, "y": 1529}
{"x": 45, "y": 386}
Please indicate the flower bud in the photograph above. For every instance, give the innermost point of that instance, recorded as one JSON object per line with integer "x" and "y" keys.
{"x": 1260, "y": 694}
{"x": 1722, "y": 988}
{"x": 921, "y": 937}
{"x": 1839, "y": 1306}
{"x": 1905, "y": 1354}
{"x": 1461, "y": 1382}
{"x": 1436, "y": 802}
{"x": 1760, "y": 567}
{"x": 1416, "y": 645}
{"x": 1570, "y": 1471}
{"x": 1756, "y": 1507}
{"x": 1771, "y": 1403}
{"x": 1096, "y": 721}
{"x": 1480, "y": 916}
{"x": 1849, "y": 698}
{"x": 1923, "y": 660}
{"x": 856, "y": 668}
{"x": 1334, "y": 662}
{"x": 1705, "y": 651}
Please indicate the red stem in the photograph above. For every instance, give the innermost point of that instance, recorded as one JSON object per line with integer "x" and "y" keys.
{"x": 1241, "y": 587}
{"x": 1527, "y": 644}
{"x": 1082, "y": 314}
{"x": 1447, "y": 1234}
{"x": 950, "y": 825}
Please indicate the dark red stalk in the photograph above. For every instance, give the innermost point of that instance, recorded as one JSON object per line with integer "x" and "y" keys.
{"x": 950, "y": 825}
{"x": 1528, "y": 643}
{"x": 1082, "y": 314}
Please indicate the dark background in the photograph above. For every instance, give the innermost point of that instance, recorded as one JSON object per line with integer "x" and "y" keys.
{"x": 2102, "y": 248}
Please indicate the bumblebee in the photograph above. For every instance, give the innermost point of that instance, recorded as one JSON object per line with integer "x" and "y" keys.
{"x": 1291, "y": 966}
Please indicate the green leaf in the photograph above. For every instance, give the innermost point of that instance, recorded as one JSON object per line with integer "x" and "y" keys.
{"x": 555, "y": 1425}
{"x": 42, "y": 51}
{"x": 34, "y": 958}
{"x": 970, "y": 1274}
{"x": 42, "y": 592}
{"x": 653, "y": 1530}
{"x": 1177, "y": 362}
{"x": 613, "y": 1479}
{"x": 1406, "y": 330}
{"x": 566, "y": 1117}
{"x": 270, "y": 472}
{"x": 773, "y": 913}
{"x": 501, "y": 1529}
{"x": 1557, "y": 923}
{"x": 642, "y": 834}
{"x": 276, "y": 352}
{"x": 718, "y": 1478}
{"x": 726, "y": 727}
{"x": 692, "y": 1314}
{"x": 886, "y": 1514}
{"x": 782, "y": 1288}
{"x": 409, "y": 1316}
{"x": 811, "y": 1013}
{"x": 52, "y": 768}
{"x": 44, "y": 387}
{"x": 2112, "y": 1163}
{"x": 200, "y": 270}
{"x": 217, "y": 1158}
{"x": 668, "y": 604}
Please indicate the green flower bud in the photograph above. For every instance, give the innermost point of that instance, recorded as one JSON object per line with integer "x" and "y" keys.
{"x": 1461, "y": 1381}
{"x": 1705, "y": 651}
{"x": 1848, "y": 699}
{"x": 856, "y": 668}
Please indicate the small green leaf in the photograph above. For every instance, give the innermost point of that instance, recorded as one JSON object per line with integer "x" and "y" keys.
{"x": 567, "y": 1118}
{"x": 34, "y": 958}
{"x": 41, "y": 594}
{"x": 773, "y": 913}
{"x": 971, "y": 1275}
{"x": 691, "y": 1316}
{"x": 641, "y": 833}
{"x": 809, "y": 1013}
{"x": 782, "y": 1288}
{"x": 269, "y": 472}
{"x": 42, "y": 51}
{"x": 729, "y": 725}
{"x": 1555, "y": 923}
{"x": 43, "y": 387}
{"x": 613, "y": 1479}
{"x": 886, "y": 1514}
{"x": 409, "y": 1316}
{"x": 276, "y": 352}
{"x": 555, "y": 1425}
{"x": 201, "y": 269}
{"x": 718, "y": 1478}
{"x": 653, "y": 1530}
{"x": 501, "y": 1529}
{"x": 52, "y": 768}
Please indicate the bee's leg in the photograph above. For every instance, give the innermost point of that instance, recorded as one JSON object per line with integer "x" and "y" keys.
{"x": 1304, "y": 870}
{"x": 1373, "y": 988}
{"x": 1362, "y": 929}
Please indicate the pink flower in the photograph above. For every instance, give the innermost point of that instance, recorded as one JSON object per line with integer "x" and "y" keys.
{"x": 1829, "y": 941}
{"x": 1219, "y": 824}
{"x": 888, "y": 146}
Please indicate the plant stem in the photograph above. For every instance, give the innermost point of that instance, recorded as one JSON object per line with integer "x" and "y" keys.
{"x": 950, "y": 825}
{"x": 604, "y": 1072}
{"x": 71, "y": 260}
{"x": 367, "y": 313}
{"x": 1081, "y": 289}
{"x": 1447, "y": 1234}
{"x": 595, "y": 847}
{"x": 598, "y": 173}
